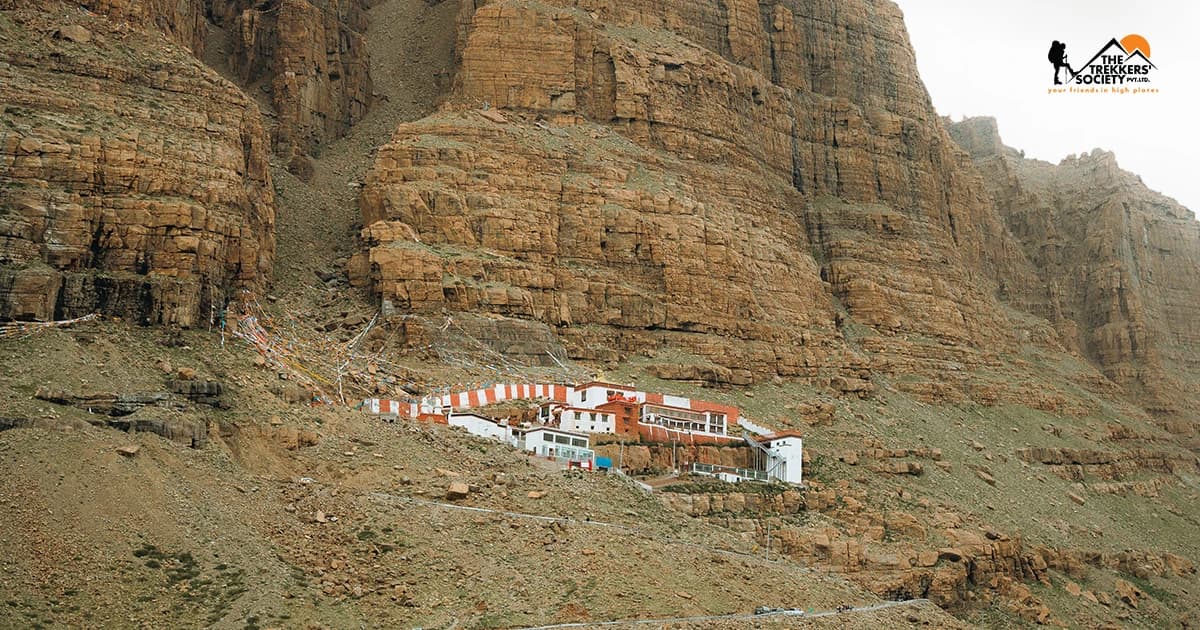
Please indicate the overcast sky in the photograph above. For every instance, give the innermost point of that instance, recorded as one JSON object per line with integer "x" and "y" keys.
{"x": 989, "y": 59}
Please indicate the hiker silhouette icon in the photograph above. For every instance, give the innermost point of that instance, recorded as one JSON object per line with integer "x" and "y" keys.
{"x": 1058, "y": 58}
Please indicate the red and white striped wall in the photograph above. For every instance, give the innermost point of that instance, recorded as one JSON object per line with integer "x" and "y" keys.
{"x": 501, "y": 392}
{"x": 568, "y": 394}
{"x": 470, "y": 399}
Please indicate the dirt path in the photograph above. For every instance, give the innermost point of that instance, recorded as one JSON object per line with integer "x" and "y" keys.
{"x": 410, "y": 45}
{"x": 794, "y": 614}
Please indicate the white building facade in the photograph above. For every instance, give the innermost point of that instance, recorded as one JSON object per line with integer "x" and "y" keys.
{"x": 592, "y": 395}
{"x": 685, "y": 420}
{"x": 785, "y": 458}
{"x": 480, "y": 426}
{"x": 557, "y": 443}
{"x": 587, "y": 420}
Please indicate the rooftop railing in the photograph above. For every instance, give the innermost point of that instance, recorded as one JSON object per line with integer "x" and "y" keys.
{"x": 743, "y": 473}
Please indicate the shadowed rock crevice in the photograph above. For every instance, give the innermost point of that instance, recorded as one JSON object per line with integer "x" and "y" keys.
{"x": 309, "y": 59}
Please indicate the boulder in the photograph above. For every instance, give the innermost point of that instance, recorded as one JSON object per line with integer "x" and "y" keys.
{"x": 950, "y": 554}
{"x": 458, "y": 491}
{"x": 1128, "y": 593}
{"x": 302, "y": 167}
{"x": 74, "y": 33}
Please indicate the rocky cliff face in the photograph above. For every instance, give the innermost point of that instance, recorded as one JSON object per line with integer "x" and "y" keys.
{"x": 180, "y": 21}
{"x": 754, "y": 188}
{"x": 134, "y": 179}
{"x": 713, "y": 175}
{"x": 1119, "y": 264}
{"x": 310, "y": 57}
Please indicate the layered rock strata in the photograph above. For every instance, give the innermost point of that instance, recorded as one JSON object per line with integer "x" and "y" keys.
{"x": 311, "y": 59}
{"x": 135, "y": 180}
{"x": 710, "y": 175}
{"x": 898, "y": 554}
{"x": 180, "y": 21}
{"x": 1119, "y": 264}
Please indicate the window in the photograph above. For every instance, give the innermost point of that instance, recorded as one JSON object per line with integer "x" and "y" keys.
{"x": 562, "y": 439}
{"x": 583, "y": 396}
{"x": 578, "y": 442}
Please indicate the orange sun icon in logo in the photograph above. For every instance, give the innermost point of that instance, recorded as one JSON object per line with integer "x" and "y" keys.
{"x": 1134, "y": 42}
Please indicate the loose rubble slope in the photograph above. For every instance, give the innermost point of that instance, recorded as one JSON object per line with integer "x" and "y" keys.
{"x": 754, "y": 203}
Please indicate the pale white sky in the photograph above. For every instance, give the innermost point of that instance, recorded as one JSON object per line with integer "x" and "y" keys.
{"x": 989, "y": 59}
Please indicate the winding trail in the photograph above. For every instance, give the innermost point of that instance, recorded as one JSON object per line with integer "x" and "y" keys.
{"x": 796, "y": 613}
{"x": 584, "y": 523}
{"x": 737, "y": 617}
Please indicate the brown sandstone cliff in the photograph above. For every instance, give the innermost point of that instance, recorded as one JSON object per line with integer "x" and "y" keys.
{"x": 726, "y": 177}
{"x": 150, "y": 197}
{"x": 717, "y": 176}
{"x": 311, "y": 59}
{"x": 1119, "y": 264}
{"x": 180, "y": 21}
{"x": 134, "y": 179}
{"x": 764, "y": 185}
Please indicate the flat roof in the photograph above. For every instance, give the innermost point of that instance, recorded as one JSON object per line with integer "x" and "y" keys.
{"x": 475, "y": 415}
{"x": 619, "y": 401}
{"x": 700, "y": 411}
{"x": 590, "y": 384}
{"x": 555, "y": 430}
{"x": 779, "y": 435}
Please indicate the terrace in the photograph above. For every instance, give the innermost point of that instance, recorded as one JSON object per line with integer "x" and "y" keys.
{"x": 677, "y": 419}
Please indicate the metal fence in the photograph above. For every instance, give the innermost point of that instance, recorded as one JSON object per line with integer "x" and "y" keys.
{"x": 743, "y": 473}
